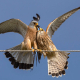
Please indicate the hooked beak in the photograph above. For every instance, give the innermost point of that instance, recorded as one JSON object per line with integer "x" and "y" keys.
{"x": 38, "y": 27}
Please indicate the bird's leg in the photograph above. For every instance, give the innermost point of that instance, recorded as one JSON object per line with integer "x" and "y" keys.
{"x": 54, "y": 49}
{"x": 36, "y": 47}
{"x": 33, "y": 50}
{"x": 39, "y": 50}
{"x": 27, "y": 45}
{"x": 22, "y": 46}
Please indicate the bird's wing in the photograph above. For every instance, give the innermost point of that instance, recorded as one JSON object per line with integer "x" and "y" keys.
{"x": 13, "y": 25}
{"x": 55, "y": 24}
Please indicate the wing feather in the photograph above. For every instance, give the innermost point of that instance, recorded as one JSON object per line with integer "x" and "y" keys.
{"x": 55, "y": 24}
{"x": 13, "y": 25}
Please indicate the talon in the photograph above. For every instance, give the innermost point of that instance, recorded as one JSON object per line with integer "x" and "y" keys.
{"x": 39, "y": 50}
{"x": 54, "y": 49}
{"x": 33, "y": 50}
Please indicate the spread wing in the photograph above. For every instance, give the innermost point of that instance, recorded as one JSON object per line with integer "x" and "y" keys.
{"x": 55, "y": 24}
{"x": 13, "y": 25}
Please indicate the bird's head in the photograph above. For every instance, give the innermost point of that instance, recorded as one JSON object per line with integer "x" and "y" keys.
{"x": 34, "y": 22}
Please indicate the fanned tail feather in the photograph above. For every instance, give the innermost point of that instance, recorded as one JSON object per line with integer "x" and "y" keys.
{"x": 58, "y": 64}
{"x": 23, "y": 60}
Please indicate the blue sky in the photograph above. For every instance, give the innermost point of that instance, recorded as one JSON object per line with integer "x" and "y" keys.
{"x": 65, "y": 38}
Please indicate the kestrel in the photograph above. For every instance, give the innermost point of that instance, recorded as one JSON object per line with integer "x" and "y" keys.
{"x": 23, "y": 60}
{"x": 57, "y": 61}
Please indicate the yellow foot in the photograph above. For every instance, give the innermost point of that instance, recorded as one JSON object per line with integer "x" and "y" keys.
{"x": 33, "y": 50}
{"x": 54, "y": 49}
{"x": 39, "y": 50}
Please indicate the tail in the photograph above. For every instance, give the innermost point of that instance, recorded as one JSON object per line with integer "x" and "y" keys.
{"x": 22, "y": 60}
{"x": 58, "y": 64}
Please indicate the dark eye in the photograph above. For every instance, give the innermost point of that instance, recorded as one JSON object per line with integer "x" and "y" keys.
{"x": 34, "y": 23}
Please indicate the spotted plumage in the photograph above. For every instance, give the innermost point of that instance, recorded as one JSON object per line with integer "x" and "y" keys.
{"x": 57, "y": 61}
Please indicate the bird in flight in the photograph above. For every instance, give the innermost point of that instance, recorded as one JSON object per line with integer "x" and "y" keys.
{"x": 38, "y": 39}
{"x": 57, "y": 61}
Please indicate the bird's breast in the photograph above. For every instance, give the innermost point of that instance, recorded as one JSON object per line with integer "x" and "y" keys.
{"x": 44, "y": 41}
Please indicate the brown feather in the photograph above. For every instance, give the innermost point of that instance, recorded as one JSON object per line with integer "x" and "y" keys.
{"x": 57, "y": 61}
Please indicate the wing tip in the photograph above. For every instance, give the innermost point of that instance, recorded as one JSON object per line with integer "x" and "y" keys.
{"x": 78, "y": 8}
